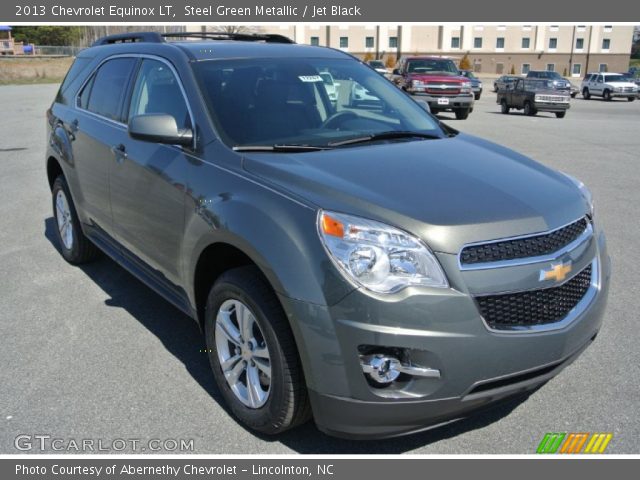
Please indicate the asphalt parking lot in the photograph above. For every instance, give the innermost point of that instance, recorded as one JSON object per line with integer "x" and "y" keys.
{"x": 91, "y": 353}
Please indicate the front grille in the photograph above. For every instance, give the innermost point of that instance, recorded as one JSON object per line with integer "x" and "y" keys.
{"x": 552, "y": 98}
{"x": 533, "y": 246}
{"x": 534, "y": 307}
{"x": 443, "y": 88}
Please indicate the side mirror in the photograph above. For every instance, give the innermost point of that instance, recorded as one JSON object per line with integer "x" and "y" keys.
{"x": 159, "y": 128}
{"x": 424, "y": 104}
{"x": 396, "y": 71}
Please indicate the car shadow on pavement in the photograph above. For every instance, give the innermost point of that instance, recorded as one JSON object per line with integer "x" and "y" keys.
{"x": 181, "y": 336}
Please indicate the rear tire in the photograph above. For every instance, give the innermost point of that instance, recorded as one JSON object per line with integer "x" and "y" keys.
{"x": 287, "y": 403}
{"x": 585, "y": 94}
{"x": 76, "y": 248}
{"x": 462, "y": 114}
{"x": 477, "y": 96}
{"x": 631, "y": 99}
{"x": 561, "y": 114}
{"x": 504, "y": 108}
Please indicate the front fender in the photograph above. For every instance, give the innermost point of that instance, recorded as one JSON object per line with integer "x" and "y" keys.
{"x": 278, "y": 234}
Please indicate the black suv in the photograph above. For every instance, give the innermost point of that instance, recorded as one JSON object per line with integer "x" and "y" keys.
{"x": 354, "y": 260}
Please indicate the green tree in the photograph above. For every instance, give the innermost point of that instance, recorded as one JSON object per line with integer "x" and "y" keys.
{"x": 465, "y": 63}
{"x": 47, "y": 35}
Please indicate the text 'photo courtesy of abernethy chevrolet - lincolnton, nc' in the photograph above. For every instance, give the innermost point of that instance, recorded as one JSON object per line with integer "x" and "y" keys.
{"x": 349, "y": 257}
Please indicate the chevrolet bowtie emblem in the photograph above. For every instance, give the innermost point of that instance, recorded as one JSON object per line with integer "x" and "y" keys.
{"x": 557, "y": 272}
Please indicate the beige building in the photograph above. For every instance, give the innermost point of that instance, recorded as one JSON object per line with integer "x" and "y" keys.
{"x": 570, "y": 50}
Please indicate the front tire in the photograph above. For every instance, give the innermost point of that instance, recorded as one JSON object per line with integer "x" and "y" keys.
{"x": 606, "y": 95}
{"x": 76, "y": 248}
{"x": 504, "y": 108}
{"x": 560, "y": 114}
{"x": 631, "y": 99}
{"x": 462, "y": 114}
{"x": 477, "y": 96}
{"x": 585, "y": 94}
{"x": 529, "y": 110}
{"x": 253, "y": 354}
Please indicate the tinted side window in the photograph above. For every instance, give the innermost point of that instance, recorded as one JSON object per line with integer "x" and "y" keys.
{"x": 107, "y": 87}
{"x": 78, "y": 66}
{"x": 157, "y": 91}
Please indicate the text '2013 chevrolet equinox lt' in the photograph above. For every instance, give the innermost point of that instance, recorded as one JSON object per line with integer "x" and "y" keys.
{"x": 360, "y": 263}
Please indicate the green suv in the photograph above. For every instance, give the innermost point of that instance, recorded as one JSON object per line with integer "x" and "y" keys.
{"x": 361, "y": 264}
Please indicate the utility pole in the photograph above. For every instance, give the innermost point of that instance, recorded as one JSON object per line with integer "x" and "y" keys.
{"x": 377, "y": 42}
{"x": 399, "y": 49}
{"x": 586, "y": 67}
{"x": 573, "y": 44}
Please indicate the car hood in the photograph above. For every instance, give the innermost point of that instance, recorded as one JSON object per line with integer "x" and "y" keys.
{"x": 550, "y": 91}
{"x": 621, "y": 84}
{"x": 437, "y": 77}
{"x": 449, "y": 192}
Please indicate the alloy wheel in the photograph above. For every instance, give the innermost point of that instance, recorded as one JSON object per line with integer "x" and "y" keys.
{"x": 243, "y": 354}
{"x": 65, "y": 223}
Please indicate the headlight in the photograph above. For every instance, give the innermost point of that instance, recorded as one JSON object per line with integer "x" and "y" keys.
{"x": 584, "y": 190}
{"x": 376, "y": 256}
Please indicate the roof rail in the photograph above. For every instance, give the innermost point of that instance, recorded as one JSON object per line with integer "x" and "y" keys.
{"x": 245, "y": 37}
{"x": 150, "y": 37}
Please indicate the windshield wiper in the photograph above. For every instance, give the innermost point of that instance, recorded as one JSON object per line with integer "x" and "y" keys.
{"x": 278, "y": 148}
{"x": 390, "y": 135}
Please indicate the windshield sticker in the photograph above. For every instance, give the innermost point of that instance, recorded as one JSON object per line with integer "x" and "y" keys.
{"x": 310, "y": 78}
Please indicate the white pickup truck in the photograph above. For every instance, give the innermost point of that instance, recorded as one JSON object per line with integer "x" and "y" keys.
{"x": 608, "y": 86}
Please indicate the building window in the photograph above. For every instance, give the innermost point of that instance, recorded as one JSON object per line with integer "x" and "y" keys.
{"x": 579, "y": 43}
{"x": 526, "y": 28}
{"x": 455, "y": 42}
{"x": 602, "y": 67}
{"x": 393, "y": 42}
{"x": 553, "y": 43}
{"x": 368, "y": 42}
{"x": 526, "y": 42}
{"x": 608, "y": 28}
{"x": 582, "y": 28}
{"x": 577, "y": 69}
{"x": 344, "y": 42}
{"x": 525, "y": 68}
{"x": 315, "y": 41}
{"x": 477, "y": 42}
{"x": 502, "y": 27}
{"x": 553, "y": 28}
{"x": 500, "y": 42}
{"x": 551, "y": 67}
{"x": 606, "y": 43}
{"x": 499, "y": 68}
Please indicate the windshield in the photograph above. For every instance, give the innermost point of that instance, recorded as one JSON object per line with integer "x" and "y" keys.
{"x": 432, "y": 65}
{"x": 376, "y": 64}
{"x": 616, "y": 77}
{"x": 468, "y": 74}
{"x": 285, "y": 101}
{"x": 538, "y": 84}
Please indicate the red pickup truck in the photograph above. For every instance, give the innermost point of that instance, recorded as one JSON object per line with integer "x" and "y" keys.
{"x": 438, "y": 80}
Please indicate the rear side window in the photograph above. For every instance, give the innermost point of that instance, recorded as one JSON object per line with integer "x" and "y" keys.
{"x": 157, "y": 91}
{"x": 103, "y": 93}
{"x": 79, "y": 65}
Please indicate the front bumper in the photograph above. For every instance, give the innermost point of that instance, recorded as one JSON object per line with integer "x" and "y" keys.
{"x": 441, "y": 102}
{"x": 551, "y": 107}
{"x": 441, "y": 330}
{"x": 624, "y": 94}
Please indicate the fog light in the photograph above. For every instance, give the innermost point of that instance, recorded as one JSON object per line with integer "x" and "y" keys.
{"x": 385, "y": 369}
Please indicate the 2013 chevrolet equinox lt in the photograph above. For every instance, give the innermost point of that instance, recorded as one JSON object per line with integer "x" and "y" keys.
{"x": 358, "y": 262}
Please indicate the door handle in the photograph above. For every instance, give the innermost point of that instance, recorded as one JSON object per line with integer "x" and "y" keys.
{"x": 119, "y": 151}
